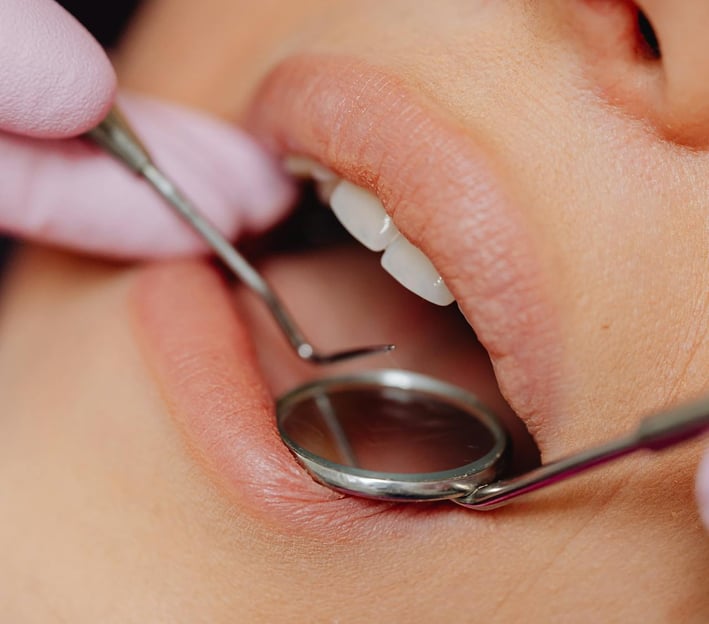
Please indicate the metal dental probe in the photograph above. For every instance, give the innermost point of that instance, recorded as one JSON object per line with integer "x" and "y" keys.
{"x": 115, "y": 135}
{"x": 439, "y": 441}
{"x": 654, "y": 433}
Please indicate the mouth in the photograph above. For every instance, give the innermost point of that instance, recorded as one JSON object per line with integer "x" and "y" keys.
{"x": 407, "y": 183}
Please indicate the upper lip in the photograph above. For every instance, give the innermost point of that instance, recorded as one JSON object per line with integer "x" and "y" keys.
{"x": 377, "y": 131}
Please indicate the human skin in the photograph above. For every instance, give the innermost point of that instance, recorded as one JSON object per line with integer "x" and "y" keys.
{"x": 119, "y": 507}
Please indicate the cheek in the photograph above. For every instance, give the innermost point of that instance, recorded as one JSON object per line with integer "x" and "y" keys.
{"x": 619, "y": 218}
{"x": 626, "y": 238}
{"x": 99, "y": 496}
{"x": 618, "y": 215}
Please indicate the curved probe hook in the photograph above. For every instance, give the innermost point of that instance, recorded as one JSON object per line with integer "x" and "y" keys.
{"x": 115, "y": 135}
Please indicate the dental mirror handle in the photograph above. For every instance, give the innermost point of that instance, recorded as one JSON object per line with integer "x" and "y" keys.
{"x": 115, "y": 135}
{"x": 654, "y": 433}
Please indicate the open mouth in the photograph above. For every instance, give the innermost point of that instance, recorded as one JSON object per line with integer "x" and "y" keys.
{"x": 407, "y": 180}
{"x": 407, "y": 183}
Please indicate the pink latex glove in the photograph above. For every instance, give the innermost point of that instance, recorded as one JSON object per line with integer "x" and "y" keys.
{"x": 56, "y": 82}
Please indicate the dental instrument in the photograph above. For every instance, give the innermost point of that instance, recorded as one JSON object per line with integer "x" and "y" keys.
{"x": 400, "y": 436}
{"x": 394, "y": 434}
{"x": 115, "y": 135}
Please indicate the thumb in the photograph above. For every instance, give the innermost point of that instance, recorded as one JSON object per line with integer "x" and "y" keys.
{"x": 72, "y": 194}
{"x": 55, "y": 79}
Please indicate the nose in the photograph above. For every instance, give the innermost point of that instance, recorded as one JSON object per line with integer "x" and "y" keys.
{"x": 681, "y": 30}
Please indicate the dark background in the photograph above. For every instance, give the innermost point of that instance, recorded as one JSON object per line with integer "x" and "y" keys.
{"x": 105, "y": 19}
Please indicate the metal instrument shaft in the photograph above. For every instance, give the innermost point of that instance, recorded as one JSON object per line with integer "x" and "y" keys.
{"x": 115, "y": 135}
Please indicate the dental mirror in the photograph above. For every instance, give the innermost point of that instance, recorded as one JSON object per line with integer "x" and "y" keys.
{"x": 400, "y": 436}
{"x": 392, "y": 434}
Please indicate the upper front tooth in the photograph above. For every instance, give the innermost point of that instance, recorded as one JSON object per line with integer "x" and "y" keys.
{"x": 412, "y": 268}
{"x": 363, "y": 216}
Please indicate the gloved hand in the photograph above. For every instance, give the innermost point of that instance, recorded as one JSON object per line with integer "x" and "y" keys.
{"x": 55, "y": 83}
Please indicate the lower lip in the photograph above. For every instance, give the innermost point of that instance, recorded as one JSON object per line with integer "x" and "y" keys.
{"x": 202, "y": 359}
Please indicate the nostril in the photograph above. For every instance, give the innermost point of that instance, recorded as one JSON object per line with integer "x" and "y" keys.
{"x": 620, "y": 33}
{"x": 648, "y": 43}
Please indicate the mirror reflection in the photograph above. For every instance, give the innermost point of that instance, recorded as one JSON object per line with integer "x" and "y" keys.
{"x": 386, "y": 430}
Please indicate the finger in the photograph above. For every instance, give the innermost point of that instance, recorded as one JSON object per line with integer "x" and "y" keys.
{"x": 71, "y": 194}
{"x": 55, "y": 79}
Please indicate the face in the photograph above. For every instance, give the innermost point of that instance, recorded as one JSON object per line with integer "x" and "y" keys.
{"x": 549, "y": 161}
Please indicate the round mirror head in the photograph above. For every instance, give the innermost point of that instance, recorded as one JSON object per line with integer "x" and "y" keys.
{"x": 392, "y": 434}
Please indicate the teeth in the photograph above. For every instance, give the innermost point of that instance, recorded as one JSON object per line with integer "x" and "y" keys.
{"x": 363, "y": 216}
{"x": 411, "y": 268}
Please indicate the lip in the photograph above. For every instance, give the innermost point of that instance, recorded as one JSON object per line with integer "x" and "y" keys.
{"x": 440, "y": 189}
{"x": 199, "y": 352}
